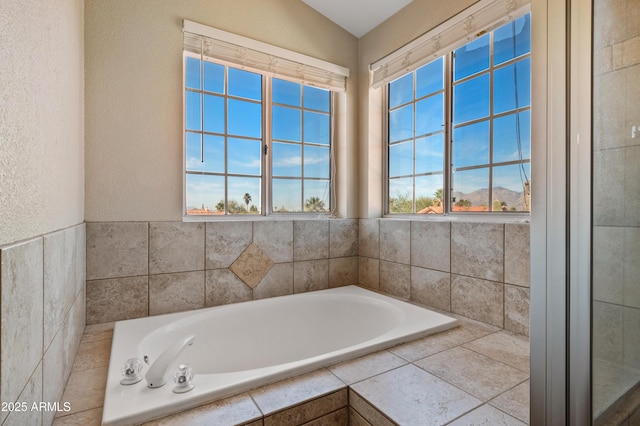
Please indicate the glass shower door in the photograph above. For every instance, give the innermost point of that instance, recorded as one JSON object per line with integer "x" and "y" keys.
{"x": 616, "y": 211}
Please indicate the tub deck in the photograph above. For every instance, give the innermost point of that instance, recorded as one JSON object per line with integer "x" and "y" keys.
{"x": 486, "y": 377}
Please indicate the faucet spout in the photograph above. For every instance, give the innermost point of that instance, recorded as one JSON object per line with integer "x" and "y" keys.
{"x": 159, "y": 370}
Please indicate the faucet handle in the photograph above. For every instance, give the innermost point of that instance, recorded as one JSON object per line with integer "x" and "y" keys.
{"x": 183, "y": 378}
{"x": 131, "y": 371}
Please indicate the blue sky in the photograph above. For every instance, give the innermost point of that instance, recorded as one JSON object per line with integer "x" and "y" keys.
{"x": 300, "y": 138}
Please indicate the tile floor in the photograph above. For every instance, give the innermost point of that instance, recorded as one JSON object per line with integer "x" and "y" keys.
{"x": 474, "y": 374}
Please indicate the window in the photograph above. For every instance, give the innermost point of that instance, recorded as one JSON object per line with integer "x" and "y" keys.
{"x": 459, "y": 128}
{"x": 224, "y": 144}
{"x": 223, "y": 139}
{"x": 257, "y": 126}
{"x": 301, "y": 135}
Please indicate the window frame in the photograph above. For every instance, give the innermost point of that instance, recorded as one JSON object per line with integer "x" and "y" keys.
{"x": 448, "y": 167}
{"x": 266, "y": 150}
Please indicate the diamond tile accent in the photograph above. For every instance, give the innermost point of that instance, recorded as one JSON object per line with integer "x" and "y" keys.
{"x": 252, "y": 265}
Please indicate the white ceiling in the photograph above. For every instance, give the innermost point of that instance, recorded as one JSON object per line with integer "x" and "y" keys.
{"x": 357, "y": 16}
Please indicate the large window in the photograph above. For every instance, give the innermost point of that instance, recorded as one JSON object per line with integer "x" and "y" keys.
{"x": 245, "y": 154}
{"x": 459, "y": 128}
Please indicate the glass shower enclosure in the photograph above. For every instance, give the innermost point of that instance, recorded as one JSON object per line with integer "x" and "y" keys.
{"x": 615, "y": 222}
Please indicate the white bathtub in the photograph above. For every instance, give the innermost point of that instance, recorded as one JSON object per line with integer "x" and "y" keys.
{"x": 246, "y": 345}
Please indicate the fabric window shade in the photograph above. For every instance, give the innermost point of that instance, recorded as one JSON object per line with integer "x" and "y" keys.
{"x": 253, "y": 55}
{"x": 473, "y": 22}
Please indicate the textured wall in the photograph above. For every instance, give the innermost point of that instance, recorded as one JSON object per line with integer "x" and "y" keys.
{"x": 41, "y": 117}
{"x": 134, "y": 92}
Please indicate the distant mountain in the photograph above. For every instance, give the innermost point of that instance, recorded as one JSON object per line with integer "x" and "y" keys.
{"x": 481, "y": 197}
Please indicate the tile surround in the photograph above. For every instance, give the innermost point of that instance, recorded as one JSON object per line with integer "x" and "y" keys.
{"x": 43, "y": 317}
{"x": 479, "y": 270}
{"x": 454, "y": 266}
{"x": 222, "y": 262}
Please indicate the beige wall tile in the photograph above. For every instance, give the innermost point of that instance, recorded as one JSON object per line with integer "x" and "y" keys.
{"x": 369, "y": 272}
{"x": 395, "y": 240}
{"x": 176, "y": 247}
{"x": 91, "y": 417}
{"x": 516, "y": 309}
{"x": 53, "y": 370}
{"x": 609, "y": 115}
{"x": 72, "y": 331}
{"x": 431, "y": 245}
{"x": 310, "y": 275}
{"x": 603, "y": 60}
{"x": 477, "y": 250}
{"x": 311, "y": 410}
{"x": 59, "y": 357}
{"x": 60, "y": 278}
{"x": 343, "y": 238}
{"x": 343, "y": 271}
{"x": 275, "y": 238}
{"x": 608, "y": 14}
{"x": 608, "y": 191}
{"x": 366, "y": 414}
{"x": 631, "y": 333}
{"x": 225, "y": 241}
{"x": 517, "y": 254}
{"x": 631, "y": 48}
{"x": 355, "y": 419}
{"x": 31, "y": 394}
{"x": 607, "y": 337}
{"x": 21, "y": 334}
{"x": 310, "y": 239}
{"x": 117, "y": 299}
{"x": 395, "y": 279}
{"x": 608, "y": 261}
{"x": 478, "y": 299}
{"x": 337, "y": 418}
{"x": 632, "y": 106}
{"x": 632, "y": 184}
{"x": 85, "y": 390}
{"x": 631, "y": 267}
{"x": 117, "y": 249}
{"x": 369, "y": 238}
{"x": 81, "y": 256}
{"x": 431, "y": 288}
{"x": 277, "y": 282}
{"x": 509, "y": 348}
{"x": 224, "y": 287}
{"x": 176, "y": 292}
{"x": 252, "y": 265}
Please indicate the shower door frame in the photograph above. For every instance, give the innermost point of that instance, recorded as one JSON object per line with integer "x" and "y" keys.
{"x": 560, "y": 331}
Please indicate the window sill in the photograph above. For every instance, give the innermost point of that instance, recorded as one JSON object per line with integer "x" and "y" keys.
{"x": 472, "y": 217}
{"x": 258, "y": 218}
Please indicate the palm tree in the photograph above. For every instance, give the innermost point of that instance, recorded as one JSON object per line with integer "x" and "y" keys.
{"x": 247, "y": 199}
{"x": 314, "y": 204}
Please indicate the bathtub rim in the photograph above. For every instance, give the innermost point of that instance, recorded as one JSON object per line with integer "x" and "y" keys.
{"x": 113, "y": 404}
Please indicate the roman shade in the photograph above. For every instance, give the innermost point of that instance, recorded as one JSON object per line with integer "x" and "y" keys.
{"x": 463, "y": 28}
{"x": 264, "y": 58}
